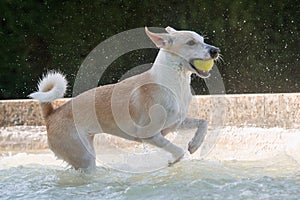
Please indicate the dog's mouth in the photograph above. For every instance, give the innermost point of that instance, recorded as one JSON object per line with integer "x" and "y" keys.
{"x": 202, "y": 67}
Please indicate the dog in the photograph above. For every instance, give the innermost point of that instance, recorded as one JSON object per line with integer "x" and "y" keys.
{"x": 141, "y": 108}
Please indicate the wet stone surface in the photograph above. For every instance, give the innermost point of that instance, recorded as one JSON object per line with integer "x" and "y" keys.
{"x": 259, "y": 110}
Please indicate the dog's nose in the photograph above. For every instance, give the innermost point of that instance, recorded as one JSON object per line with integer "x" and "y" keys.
{"x": 214, "y": 51}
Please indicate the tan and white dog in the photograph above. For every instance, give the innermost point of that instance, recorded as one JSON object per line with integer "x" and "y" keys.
{"x": 141, "y": 108}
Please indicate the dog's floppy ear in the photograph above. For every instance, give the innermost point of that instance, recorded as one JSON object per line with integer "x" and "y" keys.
{"x": 161, "y": 40}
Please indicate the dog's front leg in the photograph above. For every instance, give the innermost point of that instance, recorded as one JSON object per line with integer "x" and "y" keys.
{"x": 161, "y": 142}
{"x": 201, "y": 125}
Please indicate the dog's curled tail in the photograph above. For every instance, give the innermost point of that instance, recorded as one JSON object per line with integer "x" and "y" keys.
{"x": 52, "y": 86}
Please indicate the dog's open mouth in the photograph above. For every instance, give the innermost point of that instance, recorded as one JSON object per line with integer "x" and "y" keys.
{"x": 202, "y": 67}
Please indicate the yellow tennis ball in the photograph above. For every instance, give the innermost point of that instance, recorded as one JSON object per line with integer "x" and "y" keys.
{"x": 204, "y": 65}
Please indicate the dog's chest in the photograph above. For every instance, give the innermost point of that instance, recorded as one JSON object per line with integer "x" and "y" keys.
{"x": 177, "y": 100}
{"x": 185, "y": 99}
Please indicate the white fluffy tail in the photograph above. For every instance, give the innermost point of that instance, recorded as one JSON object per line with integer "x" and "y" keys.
{"x": 52, "y": 86}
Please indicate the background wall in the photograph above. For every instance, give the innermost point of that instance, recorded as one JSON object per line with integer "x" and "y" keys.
{"x": 248, "y": 110}
{"x": 259, "y": 39}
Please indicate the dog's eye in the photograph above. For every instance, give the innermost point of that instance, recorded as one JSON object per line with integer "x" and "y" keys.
{"x": 191, "y": 42}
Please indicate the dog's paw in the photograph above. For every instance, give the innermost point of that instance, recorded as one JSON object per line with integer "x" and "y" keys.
{"x": 194, "y": 145}
{"x": 177, "y": 158}
{"x": 171, "y": 163}
{"x": 197, "y": 140}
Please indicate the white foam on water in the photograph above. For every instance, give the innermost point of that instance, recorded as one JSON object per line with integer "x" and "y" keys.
{"x": 23, "y": 159}
{"x": 236, "y": 144}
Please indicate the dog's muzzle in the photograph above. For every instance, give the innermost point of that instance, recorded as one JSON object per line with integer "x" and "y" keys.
{"x": 203, "y": 67}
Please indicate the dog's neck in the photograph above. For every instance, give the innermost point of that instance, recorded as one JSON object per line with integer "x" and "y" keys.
{"x": 168, "y": 65}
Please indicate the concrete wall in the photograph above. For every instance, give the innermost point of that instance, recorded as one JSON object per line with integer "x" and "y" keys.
{"x": 258, "y": 110}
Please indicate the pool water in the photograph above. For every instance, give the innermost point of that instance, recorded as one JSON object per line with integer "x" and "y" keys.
{"x": 45, "y": 178}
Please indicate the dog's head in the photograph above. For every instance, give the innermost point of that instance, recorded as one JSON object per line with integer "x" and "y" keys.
{"x": 189, "y": 45}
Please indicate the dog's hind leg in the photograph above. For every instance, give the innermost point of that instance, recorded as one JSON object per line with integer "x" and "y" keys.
{"x": 197, "y": 140}
{"x": 73, "y": 146}
{"x": 159, "y": 141}
{"x": 88, "y": 158}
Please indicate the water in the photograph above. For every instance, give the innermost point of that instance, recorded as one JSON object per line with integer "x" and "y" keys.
{"x": 45, "y": 178}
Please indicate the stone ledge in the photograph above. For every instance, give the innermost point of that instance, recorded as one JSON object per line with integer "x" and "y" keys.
{"x": 258, "y": 110}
